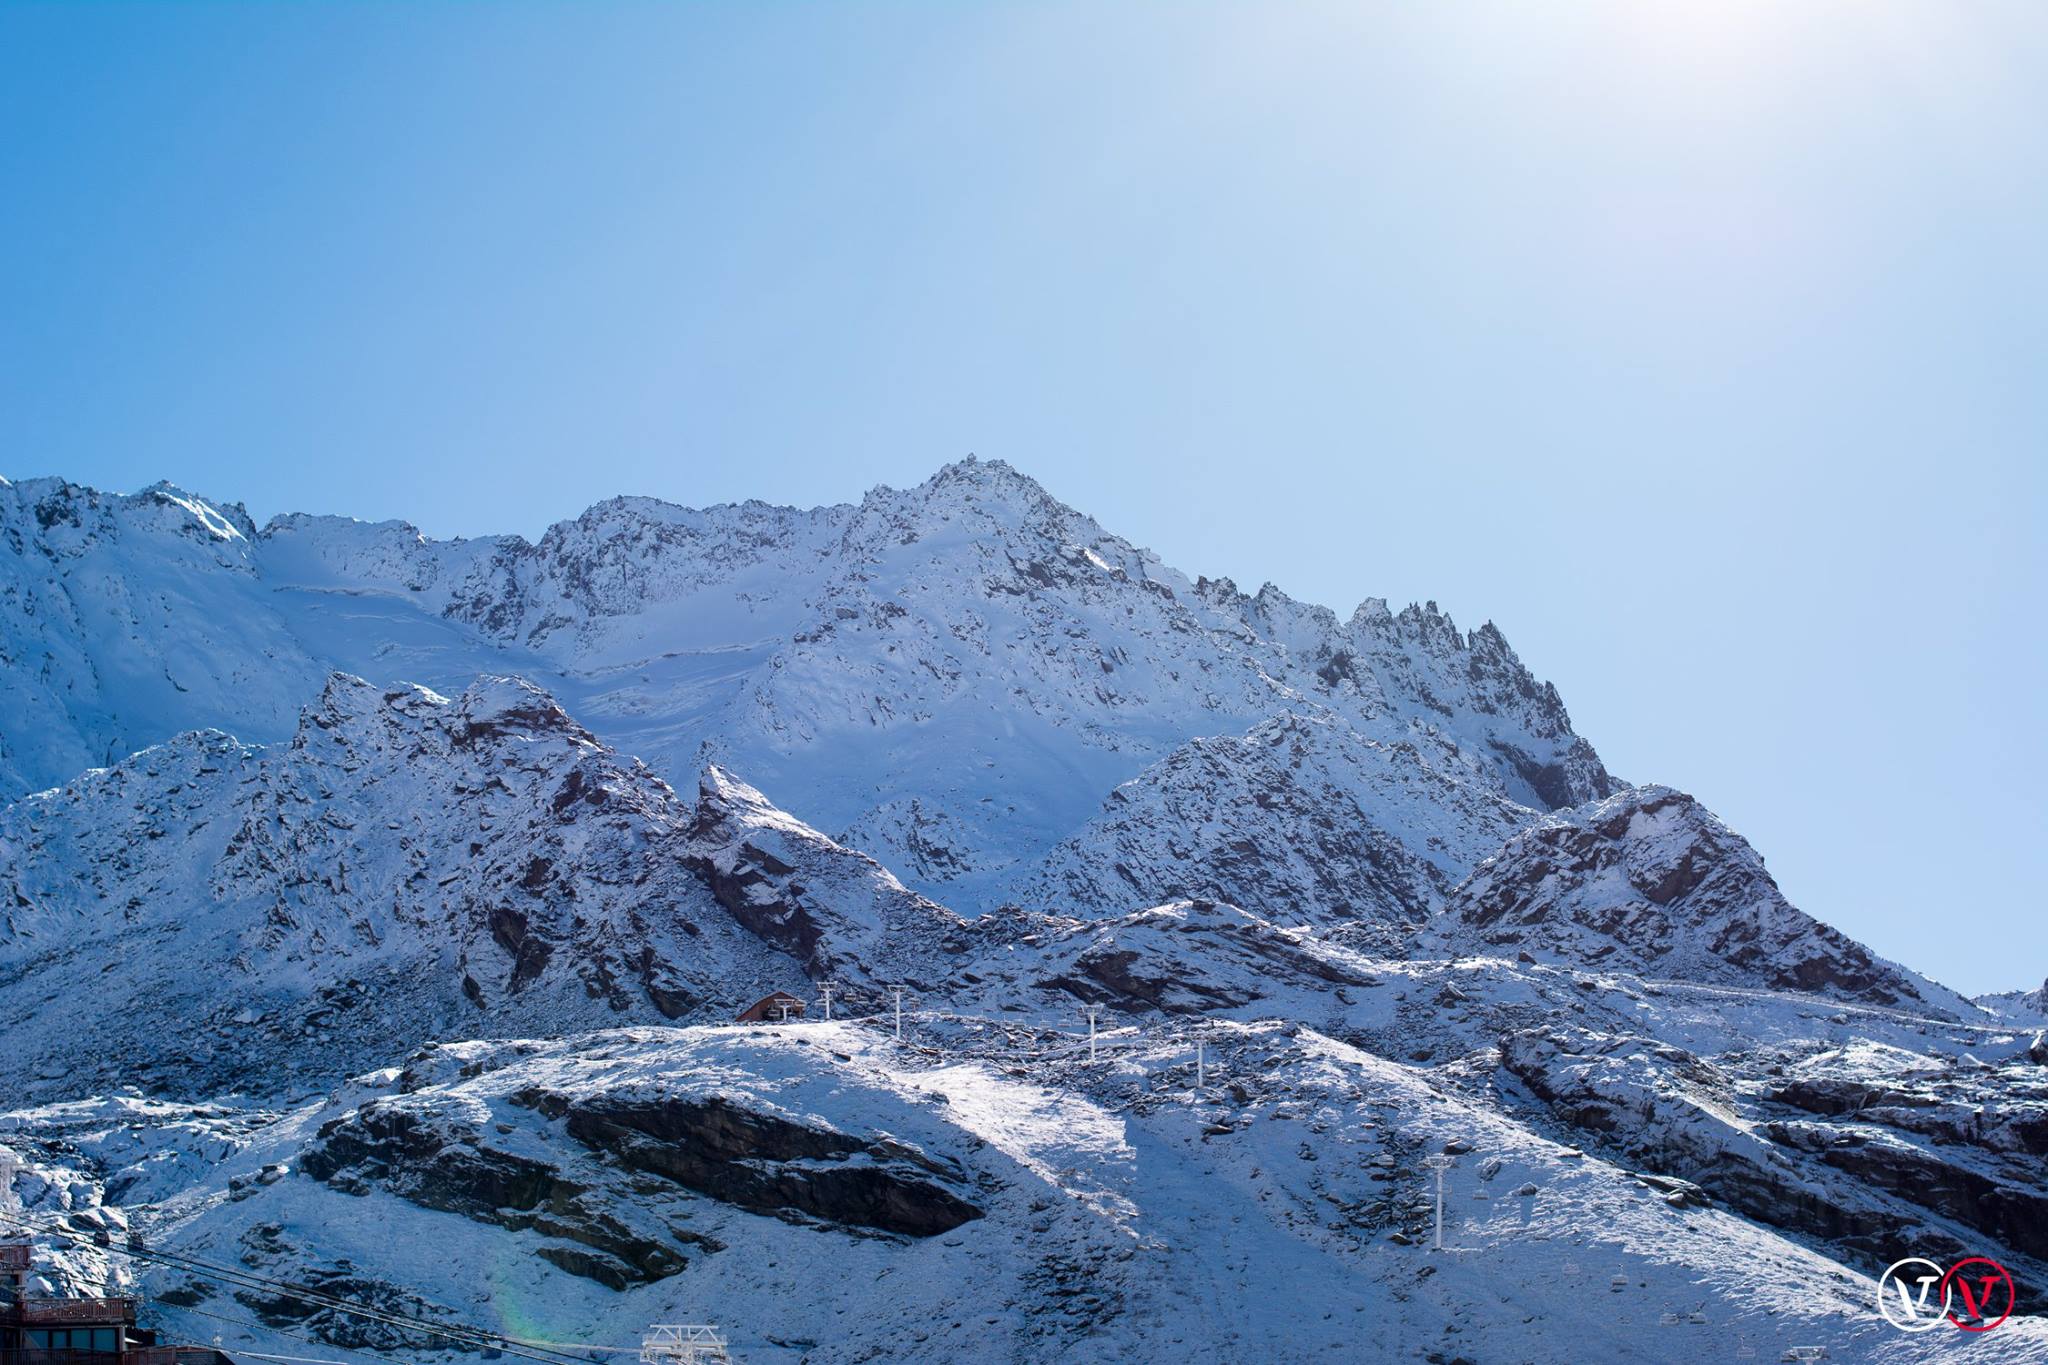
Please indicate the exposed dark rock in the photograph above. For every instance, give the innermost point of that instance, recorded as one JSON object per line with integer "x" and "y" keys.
{"x": 440, "y": 1165}
{"x": 770, "y": 1165}
{"x": 1669, "y": 1110}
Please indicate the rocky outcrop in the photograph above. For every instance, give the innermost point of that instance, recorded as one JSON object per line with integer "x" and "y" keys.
{"x": 586, "y": 1170}
{"x": 1186, "y": 958}
{"x": 1953, "y": 1188}
{"x": 839, "y": 913}
{"x": 437, "y": 1161}
{"x": 1650, "y": 882}
{"x": 768, "y": 1164}
{"x": 1684, "y": 1116}
{"x": 275, "y": 1245}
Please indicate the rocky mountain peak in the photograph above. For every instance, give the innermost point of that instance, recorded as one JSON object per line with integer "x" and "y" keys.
{"x": 1649, "y": 881}
{"x": 978, "y": 500}
{"x": 515, "y": 708}
{"x": 838, "y": 912}
{"x": 984, "y": 481}
{"x": 71, "y": 520}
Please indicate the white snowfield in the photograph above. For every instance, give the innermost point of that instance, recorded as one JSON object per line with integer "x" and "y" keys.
{"x": 373, "y": 911}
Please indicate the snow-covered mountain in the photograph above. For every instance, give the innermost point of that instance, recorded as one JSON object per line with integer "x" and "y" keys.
{"x": 404, "y": 868}
{"x": 951, "y": 676}
{"x": 353, "y": 931}
{"x": 127, "y": 620}
{"x": 1022, "y": 662}
{"x": 2026, "y": 1007}
{"x": 1303, "y": 818}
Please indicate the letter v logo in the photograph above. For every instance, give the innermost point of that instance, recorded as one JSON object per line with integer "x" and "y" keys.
{"x": 1903, "y": 1291}
{"x": 1980, "y": 1303}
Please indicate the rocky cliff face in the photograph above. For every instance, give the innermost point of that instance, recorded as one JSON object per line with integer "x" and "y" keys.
{"x": 1649, "y": 882}
{"x": 841, "y": 915}
{"x": 1856, "y": 1145}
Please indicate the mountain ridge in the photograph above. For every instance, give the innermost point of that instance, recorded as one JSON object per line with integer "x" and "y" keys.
{"x": 965, "y": 629}
{"x": 1218, "y": 924}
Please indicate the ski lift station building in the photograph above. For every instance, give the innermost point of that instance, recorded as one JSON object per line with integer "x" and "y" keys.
{"x": 772, "y": 1008}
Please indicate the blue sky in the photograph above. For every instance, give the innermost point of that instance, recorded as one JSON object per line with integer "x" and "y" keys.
{"x": 1699, "y": 344}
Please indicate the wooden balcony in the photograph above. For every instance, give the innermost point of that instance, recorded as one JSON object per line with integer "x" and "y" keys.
{"x": 75, "y": 1312}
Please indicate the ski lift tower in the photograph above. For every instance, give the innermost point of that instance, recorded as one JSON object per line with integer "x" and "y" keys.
{"x": 16, "y": 1259}
{"x": 1439, "y": 1163}
{"x": 692, "y": 1344}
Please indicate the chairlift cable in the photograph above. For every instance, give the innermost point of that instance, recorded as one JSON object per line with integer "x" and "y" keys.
{"x": 245, "y": 1324}
{"x": 466, "y": 1335}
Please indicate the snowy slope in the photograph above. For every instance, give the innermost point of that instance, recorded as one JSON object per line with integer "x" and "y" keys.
{"x": 628, "y": 580}
{"x": 827, "y": 1195}
{"x": 125, "y": 620}
{"x": 2025, "y": 1007}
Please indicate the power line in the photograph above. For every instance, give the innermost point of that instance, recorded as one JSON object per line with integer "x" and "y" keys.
{"x": 469, "y": 1336}
{"x": 274, "y": 1331}
{"x": 457, "y": 1332}
{"x": 249, "y": 1279}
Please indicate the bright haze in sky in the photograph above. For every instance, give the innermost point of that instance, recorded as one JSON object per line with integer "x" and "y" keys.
{"x": 1700, "y": 345}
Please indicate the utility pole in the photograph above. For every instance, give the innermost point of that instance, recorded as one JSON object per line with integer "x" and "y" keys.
{"x": 897, "y": 991}
{"x": 1093, "y": 1010}
{"x": 1201, "y": 1068}
{"x": 826, "y": 988}
{"x": 692, "y": 1344}
{"x": 1439, "y": 1162}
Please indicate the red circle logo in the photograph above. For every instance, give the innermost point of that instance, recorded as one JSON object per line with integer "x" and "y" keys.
{"x": 1975, "y": 1293}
